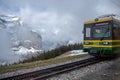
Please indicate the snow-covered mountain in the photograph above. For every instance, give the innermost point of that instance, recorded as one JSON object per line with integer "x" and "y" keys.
{"x": 17, "y": 38}
{"x": 20, "y": 40}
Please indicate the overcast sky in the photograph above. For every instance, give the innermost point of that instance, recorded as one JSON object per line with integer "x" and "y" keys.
{"x": 59, "y": 20}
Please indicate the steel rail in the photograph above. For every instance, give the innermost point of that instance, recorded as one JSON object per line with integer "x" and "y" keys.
{"x": 45, "y": 73}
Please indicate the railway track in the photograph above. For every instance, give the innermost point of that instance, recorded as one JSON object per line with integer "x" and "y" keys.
{"x": 45, "y": 73}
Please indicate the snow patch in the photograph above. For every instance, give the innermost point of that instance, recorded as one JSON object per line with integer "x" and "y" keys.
{"x": 77, "y": 52}
{"x": 24, "y": 51}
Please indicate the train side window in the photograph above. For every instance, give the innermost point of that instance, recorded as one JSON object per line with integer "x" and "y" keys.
{"x": 116, "y": 26}
{"x": 88, "y": 32}
{"x": 116, "y": 30}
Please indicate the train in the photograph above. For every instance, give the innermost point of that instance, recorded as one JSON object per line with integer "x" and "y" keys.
{"x": 102, "y": 36}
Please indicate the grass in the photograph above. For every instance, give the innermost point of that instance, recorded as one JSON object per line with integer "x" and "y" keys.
{"x": 40, "y": 63}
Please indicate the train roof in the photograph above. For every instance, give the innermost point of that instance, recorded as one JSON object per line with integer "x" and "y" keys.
{"x": 101, "y": 20}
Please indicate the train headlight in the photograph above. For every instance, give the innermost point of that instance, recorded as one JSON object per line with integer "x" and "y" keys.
{"x": 86, "y": 43}
{"x": 105, "y": 43}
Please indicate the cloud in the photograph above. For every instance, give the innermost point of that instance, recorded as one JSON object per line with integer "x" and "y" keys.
{"x": 59, "y": 20}
{"x": 49, "y": 23}
{"x": 107, "y": 7}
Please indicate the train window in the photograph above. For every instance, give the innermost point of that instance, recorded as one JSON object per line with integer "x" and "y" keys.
{"x": 116, "y": 25}
{"x": 116, "y": 30}
{"x": 88, "y": 31}
{"x": 101, "y": 31}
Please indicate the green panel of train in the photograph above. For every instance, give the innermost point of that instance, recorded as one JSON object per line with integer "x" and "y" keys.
{"x": 102, "y": 36}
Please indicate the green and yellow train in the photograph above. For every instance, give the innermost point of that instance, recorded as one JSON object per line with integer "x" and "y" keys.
{"x": 102, "y": 36}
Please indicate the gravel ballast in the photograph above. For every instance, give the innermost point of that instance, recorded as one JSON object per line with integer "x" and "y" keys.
{"x": 107, "y": 70}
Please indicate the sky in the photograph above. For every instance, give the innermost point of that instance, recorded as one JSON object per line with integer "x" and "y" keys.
{"x": 59, "y": 20}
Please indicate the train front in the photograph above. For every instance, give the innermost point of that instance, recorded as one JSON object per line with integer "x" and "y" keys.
{"x": 98, "y": 37}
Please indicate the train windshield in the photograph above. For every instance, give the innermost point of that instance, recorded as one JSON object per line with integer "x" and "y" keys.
{"x": 97, "y": 31}
{"x": 100, "y": 31}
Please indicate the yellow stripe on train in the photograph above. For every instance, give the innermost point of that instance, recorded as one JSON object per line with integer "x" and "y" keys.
{"x": 103, "y": 46}
{"x": 96, "y": 21}
{"x": 101, "y": 40}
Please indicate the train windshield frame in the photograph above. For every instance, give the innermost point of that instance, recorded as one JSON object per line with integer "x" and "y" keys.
{"x": 97, "y": 31}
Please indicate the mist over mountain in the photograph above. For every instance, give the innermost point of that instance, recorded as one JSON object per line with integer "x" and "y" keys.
{"x": 20, "y": 40}
{"x": 17, "y": 39}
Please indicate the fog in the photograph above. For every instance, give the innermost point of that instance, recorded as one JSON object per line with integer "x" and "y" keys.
{"x": 56, "y": 20}
{"x": 17, "y": 41}
{"x": 5, "y": 52}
